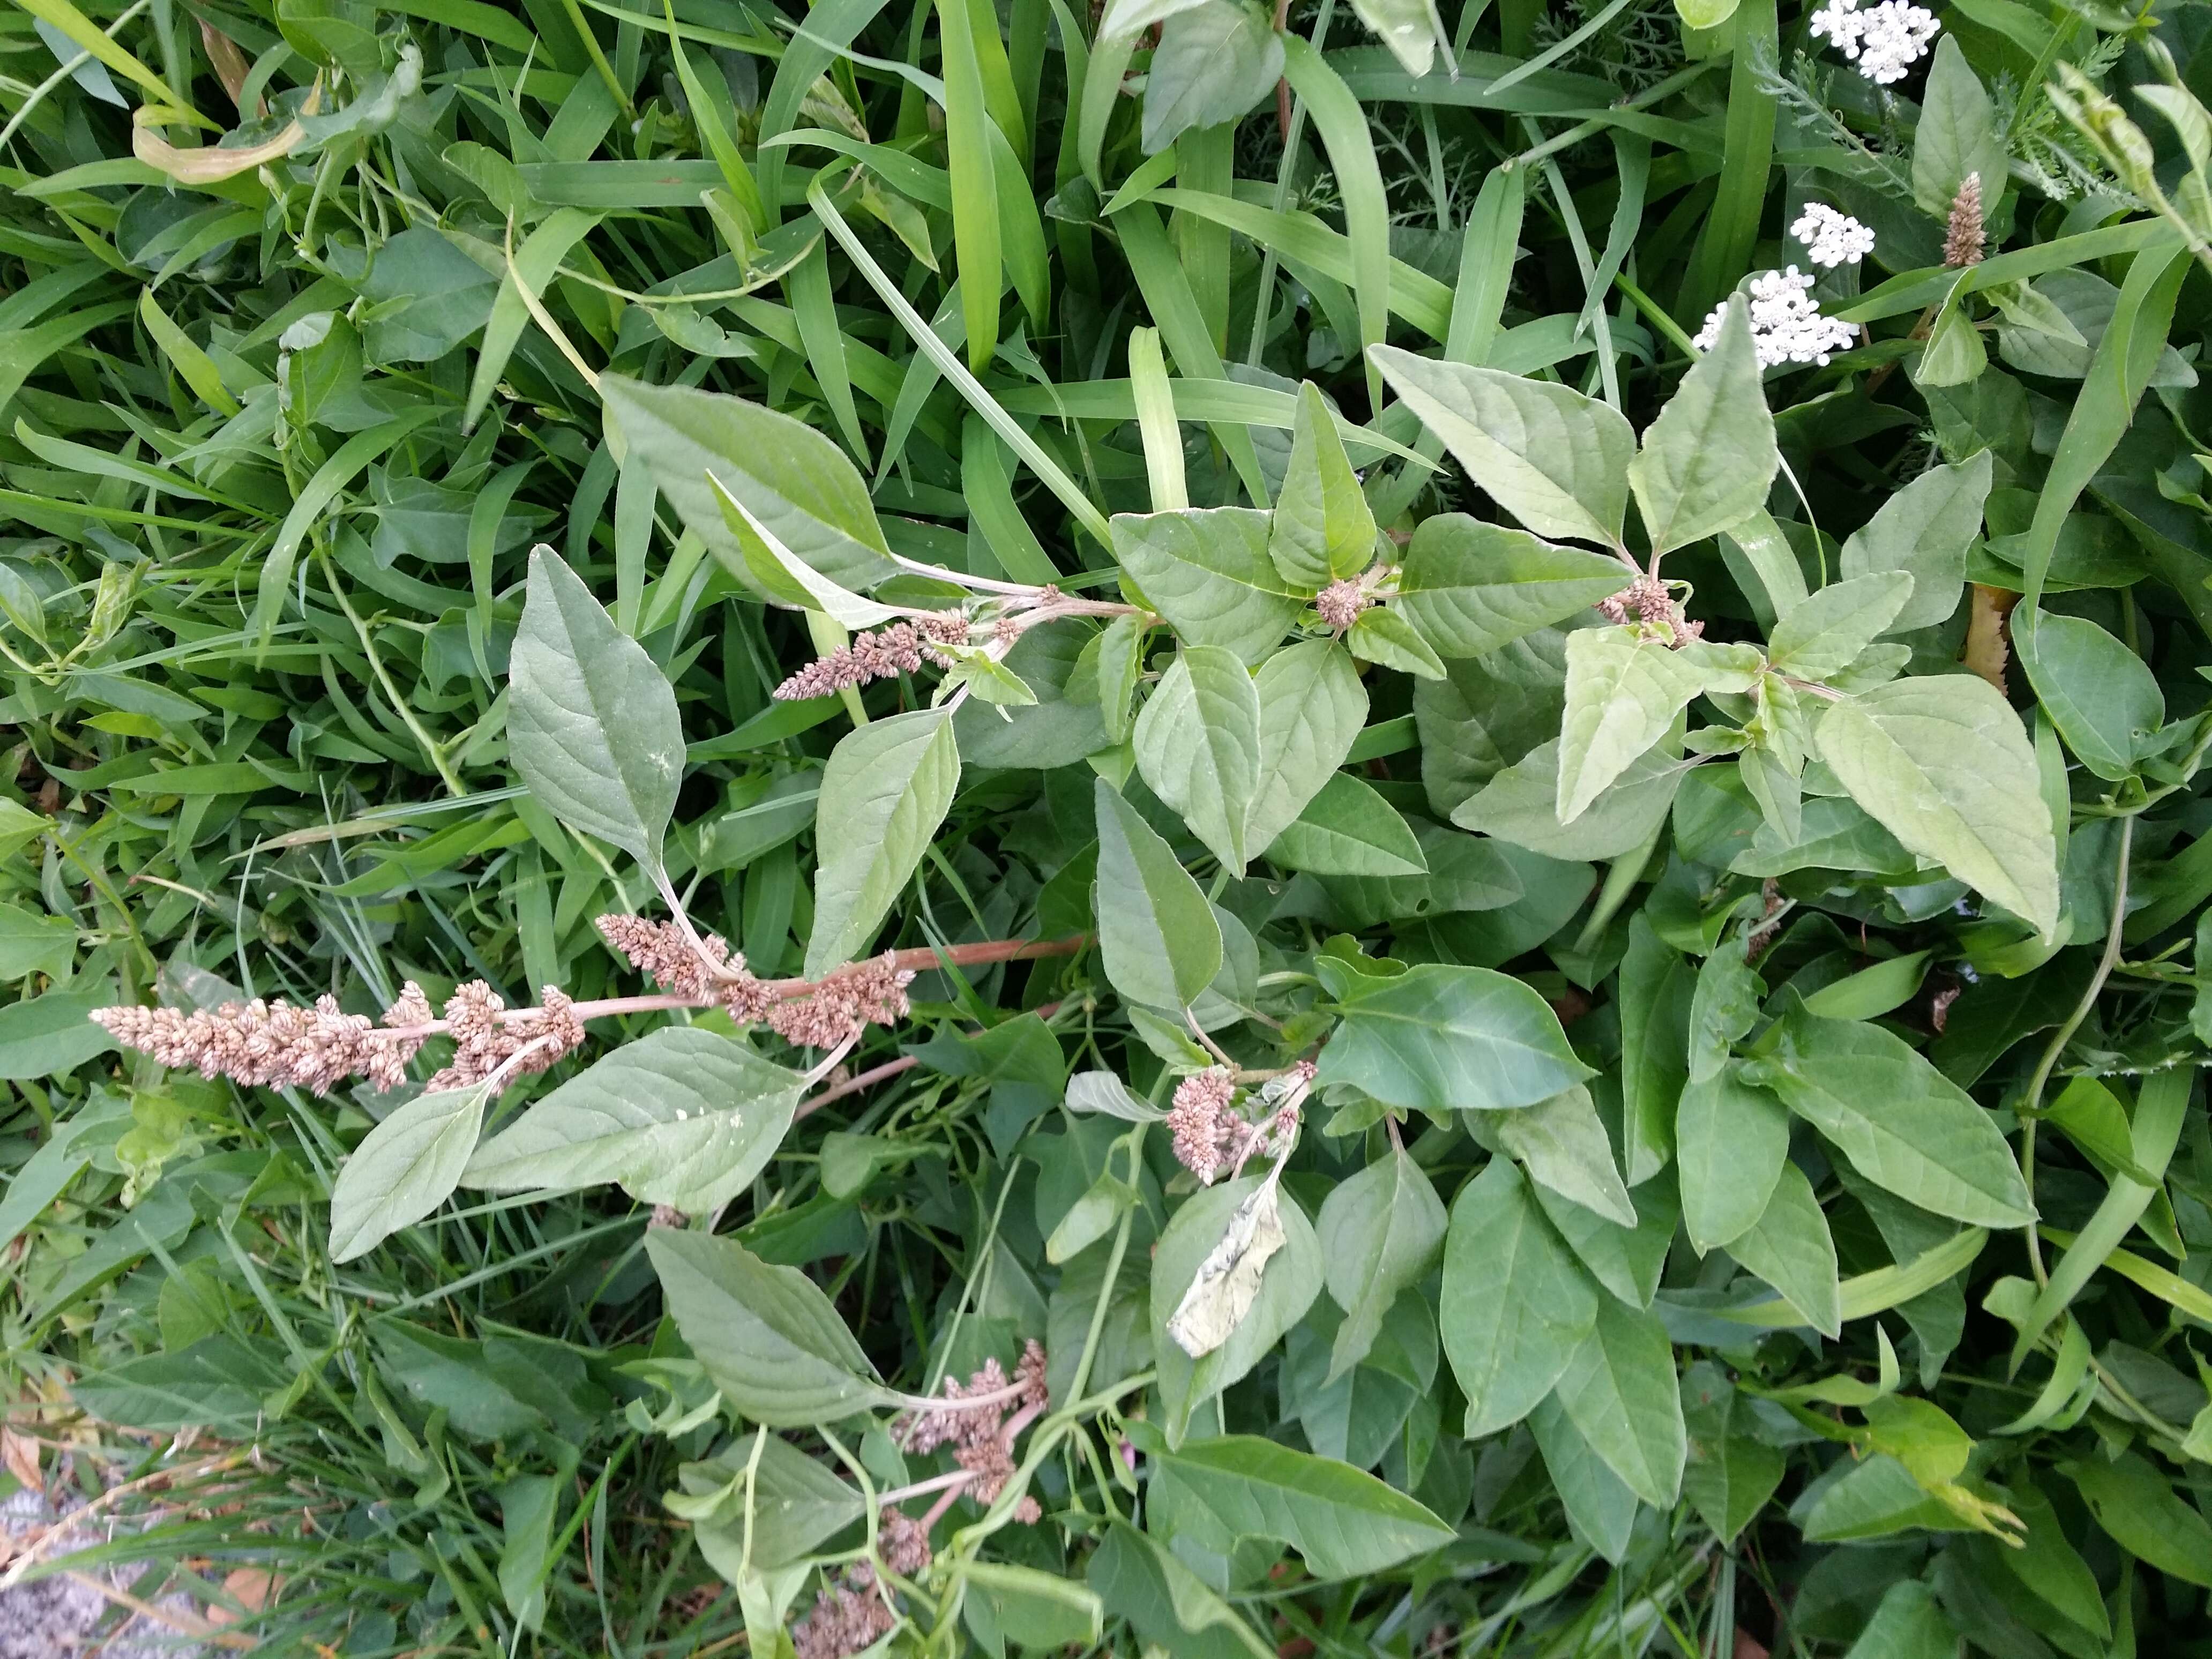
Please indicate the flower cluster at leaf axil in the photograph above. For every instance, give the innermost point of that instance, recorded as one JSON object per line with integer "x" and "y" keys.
{"x": 1211, "y": 1135}
{"x": 1883, "y": 40}
{"x": 973, "y": 1419}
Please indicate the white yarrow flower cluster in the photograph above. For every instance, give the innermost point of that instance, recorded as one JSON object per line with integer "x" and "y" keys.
{"x": 1831, "y": 238}
{"x": 1885, "y": 41}
{"x": 1786, "y": 324}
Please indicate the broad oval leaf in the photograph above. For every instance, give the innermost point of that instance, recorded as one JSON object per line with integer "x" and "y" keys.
{"x": 1215, "y": 61}
{"x": 1623, "y": 694}
{"x": 1943, "y": 764}
{"x": 769, "y": 1338}
{"x": 2102, "y": 697}
{"x": 884, "y": 793}
{"x": 794, "y": 479}
{"x": 1708, "y": 459}
{"x": 684, "y": 1116}
{"x": 1199, "y": 746}
{"x": 1620, "y": 1390}
{"x": 1521, "y": 805}
{"x": 1469, "y": 587}
{"x": 1515, "y": 1304}
{"x": 591, "y": 722}
{"x": 1347, "y": 829}
{"x": 1925, "y": 530}
{"x": 1379, "y": 1232}
{"x": 1731, "y": 1140}
{"x": 1822, "y": 633}
{"x": 1562, "y": 1144}
{"x": 1343, "y": 1521}
{"x": 405, "y": 1168}
{"x": 1206, "y": 571}
{"x": 1903, "y": 1124}
{"x": 1438, "y": 1038}
{"x": 1556, "y": 460}
{"x": 1323, "y": 529}
{"x": 1789, "y": 1247}
{"x": 1312, "y": 707}
{"x": 1157, "y": 933}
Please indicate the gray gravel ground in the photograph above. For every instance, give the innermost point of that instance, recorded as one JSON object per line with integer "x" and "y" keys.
{"x": 55, "y": 1616}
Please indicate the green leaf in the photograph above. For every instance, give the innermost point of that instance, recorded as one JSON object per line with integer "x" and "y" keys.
{"x": 1516, "y": 1304}
{"x": 1623, "y": 694}
{"x": 1343, "y": 1521}
{"x": 1708, "y": 459}
{"x": 2049, "y": 1566}
{"x": 1207, "y": 572}
{"x": 1562, "y": 1144}
{"x": 1903, "y": 1124}
{"x": 1470, "y": 587}
{"x": 1556, "y": 460}
{"x": 1407, "y": 26}
{"x": 1619, "y": 1389}
{"x": 797, "y": 1504}
{"x": 1959, "y": 133}
{"x": 1790, "y": 1248}
{"x": 1943, "y": 764}
{"x": 1824, "y": 632}
{"x": 1730, "y": 1474}
{"x": 1379, "y": 1232}
{"x": 1925, "y": 530}
{"x": 1323, "y": 529}
{"x": 1161, "y": 944}
{"x": 2102, "y": 697}
{"x": 1198, "y": 745}
{"x": 1347, "y": 829}
{"x": 1724, "y": 1006}
{"x": 1380, "y": 635}
{"x": 1521, "y": 805}
{"x": 1312, "y": 707}
{"x": 1954, "y": 354}
{"x": 1908, "y": 1623}
{"x": 884, "y": 793}
{"x": 1439, "y": 1039}
{"x": 1289, "y": 1282}
{"x": 2139, "y": 1507}
{"x": 1214, "y": 62}
{"x": 684, "y": 1116}
{"x": 769, "y": 1338}
{"x": 34, "y": 944}
{"x": 783, "y": 575}
{"x": 1626, "y": 1260}
{"x": 792, "y": 478}
{"x": 1871, "y": 991}
{"x": 405, "y": 1168}
{"x": 1601, "y": 1508}
{"x": 1731, "y": 1140}
{"x": 1105, "y": 1093}
{"x": 591, "y": 722}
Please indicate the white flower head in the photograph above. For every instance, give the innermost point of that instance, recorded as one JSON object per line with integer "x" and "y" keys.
{"x": 1885, "y": 41}
{"x": 1831, "y": 238}
{"x": 1787, "y": 326}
